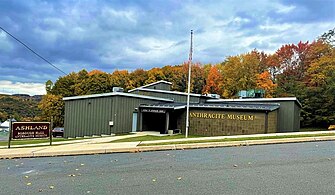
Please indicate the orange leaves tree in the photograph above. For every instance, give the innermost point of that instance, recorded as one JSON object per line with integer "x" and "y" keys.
{"x": 214, "y": 81}
{"x": 264, "y": 81}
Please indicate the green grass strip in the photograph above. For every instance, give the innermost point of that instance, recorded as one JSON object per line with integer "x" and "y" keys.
{"x": 34, "y": 141}
{"x": 239, "y": 139}
{"x": 152, "y": 138}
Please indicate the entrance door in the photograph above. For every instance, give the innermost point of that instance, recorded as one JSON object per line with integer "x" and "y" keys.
{"x": 134, "y": 127}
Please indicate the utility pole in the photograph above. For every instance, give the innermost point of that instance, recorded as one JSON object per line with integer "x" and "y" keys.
{"x": 189, "y": 86}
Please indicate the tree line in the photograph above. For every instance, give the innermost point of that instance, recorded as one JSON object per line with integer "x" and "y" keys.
{"x": 304, "y": 70}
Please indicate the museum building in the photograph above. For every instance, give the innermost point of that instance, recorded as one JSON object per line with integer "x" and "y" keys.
{"x": 154, "y": 107}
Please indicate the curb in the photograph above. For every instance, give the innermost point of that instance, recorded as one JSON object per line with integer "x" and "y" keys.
{"x": 40, "y": 153}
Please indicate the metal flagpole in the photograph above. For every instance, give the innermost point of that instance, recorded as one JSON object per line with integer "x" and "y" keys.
{"x": 189, "y": 86}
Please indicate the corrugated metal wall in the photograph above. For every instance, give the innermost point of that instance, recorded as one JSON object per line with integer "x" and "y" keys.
{"x": 87, "y": 117}
{"x": 175, "y": 97}
{"x": 288, "y": 115}
{"x": 160, "y": 86}
{"x": 297, "y": 112}
{"x": 123, "y": 108}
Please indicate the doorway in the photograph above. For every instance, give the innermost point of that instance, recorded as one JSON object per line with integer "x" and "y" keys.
{"x": 134, "y": 126}
{"x": 154, "y": 122}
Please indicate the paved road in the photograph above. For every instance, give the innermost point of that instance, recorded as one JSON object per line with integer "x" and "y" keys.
{"x": 300, "y": 168}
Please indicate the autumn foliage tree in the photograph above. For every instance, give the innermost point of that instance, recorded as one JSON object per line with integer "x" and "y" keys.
{"x": 214, "y": 81}
{"x": 304, "y": 70}
{"x": 52, "y": 106}
{"x": 265, "y": 82}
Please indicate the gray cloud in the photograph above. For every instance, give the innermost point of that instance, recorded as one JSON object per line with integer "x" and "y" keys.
{"x": 109, "y": 35}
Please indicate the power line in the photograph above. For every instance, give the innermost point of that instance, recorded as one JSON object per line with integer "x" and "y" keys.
{"x": 26, "y": 46}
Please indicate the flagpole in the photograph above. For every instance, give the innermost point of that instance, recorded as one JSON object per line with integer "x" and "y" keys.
{"x": 189, "y": 86}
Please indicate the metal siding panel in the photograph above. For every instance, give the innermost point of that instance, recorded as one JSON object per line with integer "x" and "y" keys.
{"x": 70, "y": 115}
{"x": 286, "y": 116}
{"x": 296, "y": 117}
{"x": 80, "y": 112}
{"x": 66, "y": 115}
{"x": 84, "y": 119}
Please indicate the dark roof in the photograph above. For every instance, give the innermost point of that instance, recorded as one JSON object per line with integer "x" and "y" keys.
{"x": 226, "y": 106}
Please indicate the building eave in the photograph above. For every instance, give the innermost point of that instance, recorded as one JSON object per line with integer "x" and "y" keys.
{"x": 116, "y": 94}
{"x": 169, "y": 92}
{"x": 256, "y": 100}
{"x": 151, "y": 84}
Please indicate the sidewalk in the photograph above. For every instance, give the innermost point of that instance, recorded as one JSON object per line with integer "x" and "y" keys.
{"x": 103, "y": 145}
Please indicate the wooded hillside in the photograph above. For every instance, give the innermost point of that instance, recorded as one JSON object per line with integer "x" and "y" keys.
{"x": 21, "y": 109}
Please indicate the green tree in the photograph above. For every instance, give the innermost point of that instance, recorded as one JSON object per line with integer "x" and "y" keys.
{"x": 48, "y": 86}
{"x": 319, "y": 98}
{"x": 65, "y": 85}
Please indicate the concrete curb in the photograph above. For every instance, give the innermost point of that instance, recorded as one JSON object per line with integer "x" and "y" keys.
{"x": 39, "y": 152}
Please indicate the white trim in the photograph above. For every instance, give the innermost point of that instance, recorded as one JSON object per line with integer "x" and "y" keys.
{"x": 170, "y": 92}
{"x": 150, "y": 84}
{"x": 116, "y": 94}
{"x": 179, "y": 107}
{"x": 256, "y": 100}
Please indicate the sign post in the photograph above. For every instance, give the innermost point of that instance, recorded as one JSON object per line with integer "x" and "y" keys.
{"x": 50, "y": 130}
{"x": 10, "y": 132}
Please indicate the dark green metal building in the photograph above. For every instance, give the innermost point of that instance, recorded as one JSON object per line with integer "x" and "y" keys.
{"x": 104, "y": 114}
{"x": 154, "y": 107}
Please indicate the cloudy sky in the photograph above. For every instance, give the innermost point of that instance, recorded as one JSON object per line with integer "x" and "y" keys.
{"x": 130, "y": 34}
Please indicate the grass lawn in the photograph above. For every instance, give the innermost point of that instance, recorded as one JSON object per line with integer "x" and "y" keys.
{"x": 34, "y": 141}
{"x": 313, "y": 129}
{"x": 151, "y": 138}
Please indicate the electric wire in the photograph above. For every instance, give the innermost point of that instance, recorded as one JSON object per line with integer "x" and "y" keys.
{"x": 26, "y": 46}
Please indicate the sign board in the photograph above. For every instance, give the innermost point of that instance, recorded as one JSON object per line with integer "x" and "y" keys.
{"x": 153, "y": 110}
{"x": 30, "y": 130}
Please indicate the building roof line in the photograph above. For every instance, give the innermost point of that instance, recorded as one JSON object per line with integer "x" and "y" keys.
{"x": 116, "y": 94}
{"x": 229, "y": 106}
{"x": 150, "y": 84}
{"x": 256, "y": 100}
{"x": 171, "y": 92}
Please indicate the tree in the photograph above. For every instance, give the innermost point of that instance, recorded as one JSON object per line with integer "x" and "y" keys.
{"x": 328, "y": 37}
{"x": 80, "y": 83}
{"x": 265, "y": 82}
{"x": 136, "y": 79}
{"x": 48, "y": 86}
{"x": 240, "y": 73}
{"x": 96, "y": 82}
{"x": 154, "y": 75}
{"x": 293, "y": 64}
{"x": 119, "y": 78}
{"x": 174, "y": 75}
{"x": 214, "y": 81}
{"x": 319, "y": 99}
{"x": 65, "y": 85}
{"x": 52, "y": 106}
